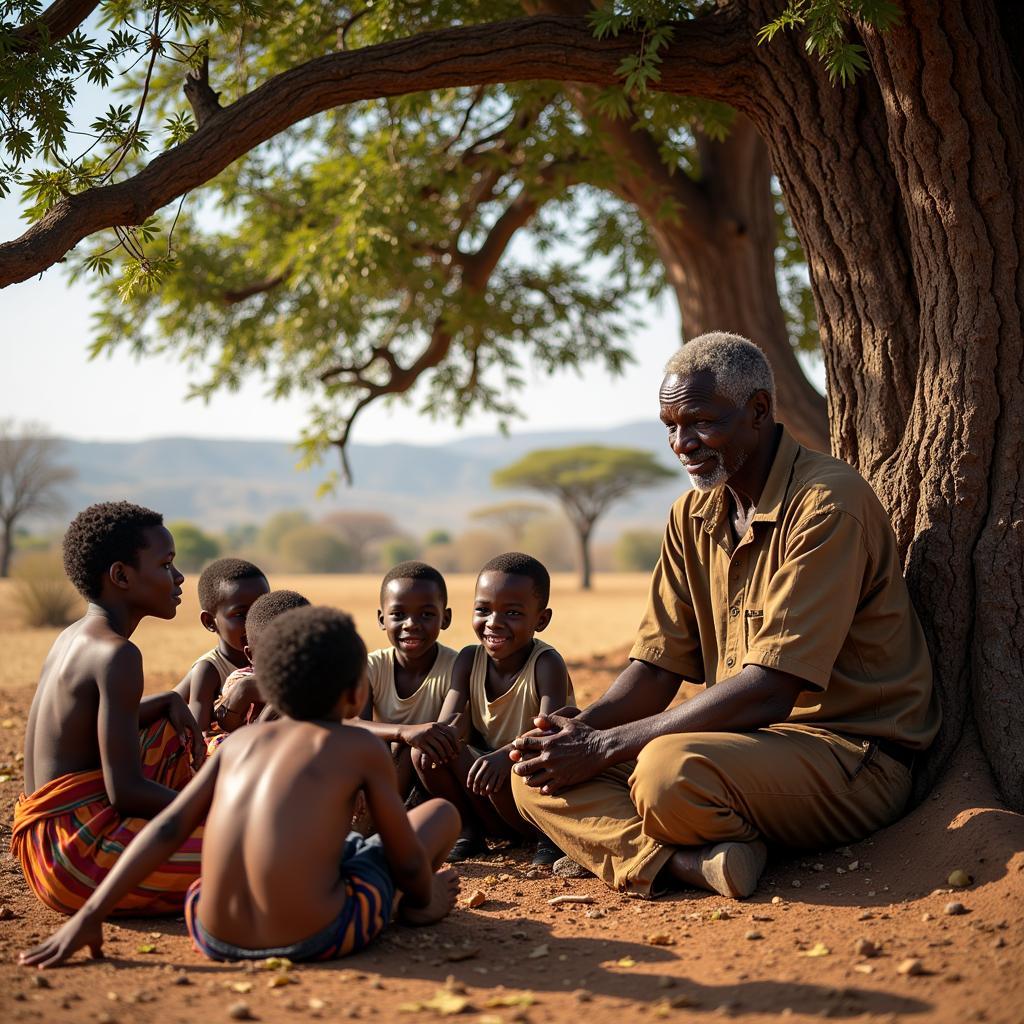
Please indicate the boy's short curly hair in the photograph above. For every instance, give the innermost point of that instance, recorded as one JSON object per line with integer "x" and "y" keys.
{"x": 99, "y": 536}
{"x": 224, "y": 570}
{"x": 516, "y": 563}
{"x": 415, "y": 571}
{"x": 309, "y": 657}
{"x": 266, "y": 608}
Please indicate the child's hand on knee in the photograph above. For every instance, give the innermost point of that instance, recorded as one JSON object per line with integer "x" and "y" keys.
{"x": 489, "y": 773}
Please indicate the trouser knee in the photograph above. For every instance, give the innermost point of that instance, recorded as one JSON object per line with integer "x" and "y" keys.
{"x": 675, "y": 790}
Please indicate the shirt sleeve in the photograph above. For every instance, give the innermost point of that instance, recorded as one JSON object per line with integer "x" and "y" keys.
{"x": 810, "y": 601}
{"x": 668, "y": 636}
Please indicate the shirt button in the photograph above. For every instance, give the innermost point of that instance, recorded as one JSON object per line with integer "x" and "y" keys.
{"x": 734, "y": 612}
{"x": 730, "y": 661}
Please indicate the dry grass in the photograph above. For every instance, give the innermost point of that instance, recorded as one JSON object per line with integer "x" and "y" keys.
{"x": 583, "y": 624}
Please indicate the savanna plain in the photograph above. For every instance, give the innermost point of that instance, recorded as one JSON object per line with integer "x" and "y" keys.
{"x": 871, "y": 932}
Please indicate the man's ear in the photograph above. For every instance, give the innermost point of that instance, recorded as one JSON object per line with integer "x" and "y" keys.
{"x": 206, "y": 618}
{"x": 446, "y": 619}
{"x": 118, "y": 573}
{"x": 542, "y": 622}
{"x": 247, "y": 651}
{"x": 760, "y": 406}
{"x": 380, "y": 618}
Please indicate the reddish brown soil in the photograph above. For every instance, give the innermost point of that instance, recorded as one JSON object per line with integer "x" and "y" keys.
{"x": 597, "y": 961}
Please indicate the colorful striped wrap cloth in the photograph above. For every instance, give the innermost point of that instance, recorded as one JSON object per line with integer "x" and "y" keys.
{"x": 68, "y": 836}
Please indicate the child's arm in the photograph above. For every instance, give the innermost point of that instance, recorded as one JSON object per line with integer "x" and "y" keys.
{"x": 151, "y": 847}
{"x": 410, "y": 866}
{"x": 120, "y": 686}
{"x": 552, "y": 680}
{"x": 438, "y": 741}
{"x": 238, "y": 698}
{"x": 489, "y": 773}
{"x": 203, "y": 687}
{"x": 456, "y": 700}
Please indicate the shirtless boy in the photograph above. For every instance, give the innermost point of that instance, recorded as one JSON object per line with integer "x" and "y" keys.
{"x": 99, "y": 757}
{"x": 227, "y": 589}
{"x": 504, "y": 682}
{"x": 410, "y": 679}
{"x": 276, "y": 801}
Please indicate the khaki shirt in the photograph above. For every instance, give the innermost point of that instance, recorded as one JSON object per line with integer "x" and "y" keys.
{"x": 814, "y": 588}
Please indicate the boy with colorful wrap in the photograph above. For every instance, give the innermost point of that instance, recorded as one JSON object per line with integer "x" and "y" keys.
{"x": 271, "y": 885}
{"x": 101, "y": 759}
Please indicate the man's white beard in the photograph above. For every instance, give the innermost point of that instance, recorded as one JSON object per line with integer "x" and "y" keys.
{"x": 717, "y": 476}
{"x": 709, "y": 481}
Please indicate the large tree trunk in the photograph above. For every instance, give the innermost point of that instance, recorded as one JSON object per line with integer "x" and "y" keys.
{"x": 907, "y": 194}
{"x": 719, "y": 250}
{"x": 6, "y": 546}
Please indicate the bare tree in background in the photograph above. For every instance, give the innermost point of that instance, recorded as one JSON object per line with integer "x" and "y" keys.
{"x": 30, "y": 479}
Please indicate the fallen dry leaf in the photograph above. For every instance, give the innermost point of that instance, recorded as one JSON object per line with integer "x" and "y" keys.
{"x": 818, "y": 949}
{"x": 660, "y": 939}
{"x": 475, "y": 899}
{"x": 521, "y": 999}
{"x": 626, "y": 961}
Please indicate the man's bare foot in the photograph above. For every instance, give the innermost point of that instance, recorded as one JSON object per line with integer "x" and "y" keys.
{"x": 730, "y": 869}
{"x": 444, "y": 890}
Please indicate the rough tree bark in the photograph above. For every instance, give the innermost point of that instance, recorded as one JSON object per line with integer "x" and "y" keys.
{"x": 907, "y": 196}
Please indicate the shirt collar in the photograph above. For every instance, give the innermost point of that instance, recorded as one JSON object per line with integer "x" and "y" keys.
{"x": 710, "y": 506}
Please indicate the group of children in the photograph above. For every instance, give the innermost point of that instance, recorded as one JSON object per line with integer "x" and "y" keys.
{"x": 288, "y": 712}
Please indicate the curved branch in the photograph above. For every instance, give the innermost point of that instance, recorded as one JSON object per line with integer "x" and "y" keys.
{"x": 57, "y": 22}
{"x": 710, "y": 56}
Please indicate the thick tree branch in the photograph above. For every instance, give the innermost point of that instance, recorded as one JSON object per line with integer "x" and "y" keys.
{"x": 57, "y": 22}
{"x": 710, "y": 56}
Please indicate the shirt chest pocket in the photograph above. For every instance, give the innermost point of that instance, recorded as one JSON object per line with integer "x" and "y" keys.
{"x": 753, "y": 620}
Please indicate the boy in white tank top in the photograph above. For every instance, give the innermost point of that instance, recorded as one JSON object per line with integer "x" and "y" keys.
{"x": 499, "y": 687}
{"x": 410, "y": 679}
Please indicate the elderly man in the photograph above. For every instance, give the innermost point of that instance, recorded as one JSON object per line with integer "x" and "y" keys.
{"x": 780, "y": 588}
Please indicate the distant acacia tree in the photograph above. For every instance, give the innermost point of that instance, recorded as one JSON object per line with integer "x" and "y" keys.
{"x": 30, "y": 479}
{"x": 586, "y": 480}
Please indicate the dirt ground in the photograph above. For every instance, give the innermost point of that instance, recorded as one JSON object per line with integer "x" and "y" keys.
{"x": 790, "y": 950}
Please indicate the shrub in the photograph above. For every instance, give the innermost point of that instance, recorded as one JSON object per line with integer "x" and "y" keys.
{"x": 316, "y": 549}
{"x": 42, "y": 591}
{"x": 193, "y": 548}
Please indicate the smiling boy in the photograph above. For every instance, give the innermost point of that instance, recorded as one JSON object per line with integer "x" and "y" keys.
{"x": 100, "y": 759}
{"x": 410, "y": 679}
{"x": 506, "y": 681}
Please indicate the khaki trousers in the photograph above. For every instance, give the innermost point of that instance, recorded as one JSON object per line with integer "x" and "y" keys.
{"x": 791, "y": 785}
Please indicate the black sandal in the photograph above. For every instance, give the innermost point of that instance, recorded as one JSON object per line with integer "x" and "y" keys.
{"x": 546, "y": 854}
{"x": 467, "y": 848}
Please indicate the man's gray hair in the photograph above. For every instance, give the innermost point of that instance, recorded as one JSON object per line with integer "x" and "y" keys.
{"x": 738, "y": 366}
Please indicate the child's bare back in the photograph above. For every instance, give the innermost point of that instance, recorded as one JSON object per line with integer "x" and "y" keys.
{"x": 277, "y": 828}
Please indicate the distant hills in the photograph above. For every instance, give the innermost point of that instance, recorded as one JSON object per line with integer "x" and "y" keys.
{"x": 219, "y": 483}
